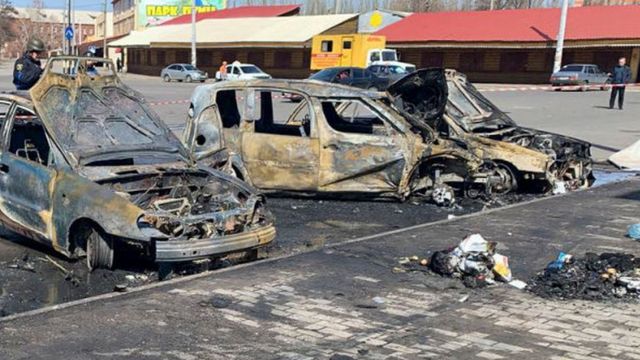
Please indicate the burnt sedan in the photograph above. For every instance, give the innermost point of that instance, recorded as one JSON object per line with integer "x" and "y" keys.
{"x": 86, "y": 164}
{"x": 337, "y": 140}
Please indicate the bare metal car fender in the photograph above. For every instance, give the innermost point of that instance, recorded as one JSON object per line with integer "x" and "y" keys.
{"x": 77, "y": 199}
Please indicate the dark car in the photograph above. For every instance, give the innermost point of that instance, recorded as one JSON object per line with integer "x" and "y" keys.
{"x": 392, "y": 72}
{"x": 352, "y": 76}
{"x": 87, "y": 166}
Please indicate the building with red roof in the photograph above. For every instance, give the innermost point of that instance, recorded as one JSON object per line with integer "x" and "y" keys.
{"x": 238, "y": 12}
{"x": 517, "y": 45}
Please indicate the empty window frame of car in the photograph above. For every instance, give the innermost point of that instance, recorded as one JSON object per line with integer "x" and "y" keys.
{"x": 279, "y": 116}
{"x": 354, "y": 116}
{"x": 27, "y": 137}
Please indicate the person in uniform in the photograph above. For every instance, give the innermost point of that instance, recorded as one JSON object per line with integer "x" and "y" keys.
{"x": 28, "y": 69}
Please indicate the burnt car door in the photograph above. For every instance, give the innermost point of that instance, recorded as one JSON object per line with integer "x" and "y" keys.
{"x": 281, "y": 142}
{"x": 26, "y": 174}
{"x": 361, "y": 151}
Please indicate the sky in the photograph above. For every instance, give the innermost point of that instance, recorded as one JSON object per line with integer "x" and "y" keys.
{"x": 95, "y": 5}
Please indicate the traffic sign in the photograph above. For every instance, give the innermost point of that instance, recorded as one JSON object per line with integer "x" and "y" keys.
{"x": 68, "y": 33}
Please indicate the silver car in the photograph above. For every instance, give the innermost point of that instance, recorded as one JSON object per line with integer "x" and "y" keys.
{"x": 183, "y": 72}
{"x": 583, "y": 75}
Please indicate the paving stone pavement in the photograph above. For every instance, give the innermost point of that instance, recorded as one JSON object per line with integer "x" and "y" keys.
{"x": 347, "y": 301}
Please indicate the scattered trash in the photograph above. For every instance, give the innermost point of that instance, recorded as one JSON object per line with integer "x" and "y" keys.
{"x": 559, "y": 187}
{"x": 443, "y": 195}
{"x": 474, "y": 261}
{"x": 518, "y": 284}
{"x": 594, "y": 277}
{"x": 378, "y": 300}
{"x": 634, "y": 231}
{"x": 464, "y": 298}
{"x": 424, "y": 262}
{"x": 451, "y": 216}
{"x": 130, "y": 278}
{"x": 23, "y": 263}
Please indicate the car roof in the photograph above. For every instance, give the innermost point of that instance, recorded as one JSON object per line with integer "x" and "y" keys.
{"x": 310, "y": 87}
{"x": 580, "y": 65}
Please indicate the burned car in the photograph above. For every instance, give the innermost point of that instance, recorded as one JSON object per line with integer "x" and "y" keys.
{"x": 87, "y": 166}
{"x": 337, "y": 140}
{"x": 531, "y": 160}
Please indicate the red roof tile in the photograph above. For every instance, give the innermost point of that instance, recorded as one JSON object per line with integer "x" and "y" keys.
{"x": 583, "y": 23}
{"x": 238, "y": 12}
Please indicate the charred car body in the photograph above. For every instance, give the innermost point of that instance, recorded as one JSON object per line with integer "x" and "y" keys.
{"x": 344, "y": 140}
{"x": 86, "y": 163}
{"x": 336, "y": 140}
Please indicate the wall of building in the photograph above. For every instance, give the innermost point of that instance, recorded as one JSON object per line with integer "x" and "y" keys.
{"x": 278, "y": 62}
{"x": 526, "y": 66}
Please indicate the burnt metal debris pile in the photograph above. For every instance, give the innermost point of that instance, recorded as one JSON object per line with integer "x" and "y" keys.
{"x": 593, "y": 277}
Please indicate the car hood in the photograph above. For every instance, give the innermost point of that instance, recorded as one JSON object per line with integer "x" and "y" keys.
{"x": 88, "y": 116}
{"x": 421, "y": 96}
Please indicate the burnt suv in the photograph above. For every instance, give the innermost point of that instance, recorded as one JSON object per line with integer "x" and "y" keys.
{"x": 86, "y": 163}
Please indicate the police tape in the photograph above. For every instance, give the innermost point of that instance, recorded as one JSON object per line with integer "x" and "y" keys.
{"x": 601, "y": 86}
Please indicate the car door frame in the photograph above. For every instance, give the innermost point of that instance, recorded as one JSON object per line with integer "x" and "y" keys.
{"x": 29, "y": 218}
{"x": 271, "y": 158}
{"x": 361, "y": 163}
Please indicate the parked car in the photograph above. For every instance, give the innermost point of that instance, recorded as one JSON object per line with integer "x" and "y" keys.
{"x": 585, "y": 75}
{"x": 392, "y": 72}
{"x": 239, "y": 71}
{"x": 183, "y": 72}
{"x": 417, "y": 139}
{"x": 88, "y": 164}
{"x": 352, "y": 76}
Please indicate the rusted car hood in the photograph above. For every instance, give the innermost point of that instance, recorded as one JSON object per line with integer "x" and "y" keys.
{"x": 421, "y": 96}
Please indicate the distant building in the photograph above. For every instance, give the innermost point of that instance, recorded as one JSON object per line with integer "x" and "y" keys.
{"x": 279, "y": 45}
{"x": 239, "y": 12}
{"x": 517, "y": 46}
{"x": 48, "y": 25}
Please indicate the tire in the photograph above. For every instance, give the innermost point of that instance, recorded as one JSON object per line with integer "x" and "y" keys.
{"x": 188, "y": 79}
{"x": 99, "y": 251}
{"x": 166, "y": 78}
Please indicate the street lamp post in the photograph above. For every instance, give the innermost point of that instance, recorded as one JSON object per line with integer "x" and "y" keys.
{"x": 557, "y": 61}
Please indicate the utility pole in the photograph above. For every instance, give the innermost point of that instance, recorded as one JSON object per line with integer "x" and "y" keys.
{"x": 193, "y": 33}
{"x": 557, "y": 61}
{"x": 492, "y": 4}
{"x": 105, "y": 52}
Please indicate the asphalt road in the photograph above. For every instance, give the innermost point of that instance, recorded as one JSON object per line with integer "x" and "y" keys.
{"x": 28, "y": 279}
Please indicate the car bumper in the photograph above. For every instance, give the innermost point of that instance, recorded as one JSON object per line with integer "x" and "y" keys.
{"x": 565, "y": 82}
{"x": 184, "y": 250}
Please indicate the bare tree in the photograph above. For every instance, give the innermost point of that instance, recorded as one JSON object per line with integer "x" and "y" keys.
{"x": 7, "y": 14}
{"x": 32, "y": 24}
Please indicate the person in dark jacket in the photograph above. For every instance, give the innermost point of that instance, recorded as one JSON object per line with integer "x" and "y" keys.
{"x": 620, "y": 76}
{"x": 27, "y": 69}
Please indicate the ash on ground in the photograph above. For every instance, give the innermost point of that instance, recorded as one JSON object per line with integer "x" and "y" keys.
{"x": 607, "y": 276}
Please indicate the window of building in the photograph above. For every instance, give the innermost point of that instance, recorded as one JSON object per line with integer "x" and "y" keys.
{"x": 471, "y": 61}
{"x": 431, "y": 59}
{"x": 326, "y": 46}
{"x": 353, "y": 116}
{"x": 280, "y": 116}
{"x": 346, "y": 45}
{"x": 283, "y": 59}
{"x": 515, "y": 61}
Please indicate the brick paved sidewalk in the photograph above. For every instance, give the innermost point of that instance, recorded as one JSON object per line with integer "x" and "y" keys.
{"x": 348, "y": 300}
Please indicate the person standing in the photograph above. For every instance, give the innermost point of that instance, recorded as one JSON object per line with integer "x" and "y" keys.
{"x": 620, "y": 76}
{"x": 223, "y": 71}
{"x": 28, "y": 69}
{"x": 119, "y": 65}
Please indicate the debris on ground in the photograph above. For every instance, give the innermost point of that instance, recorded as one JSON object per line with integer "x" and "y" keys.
{"x": 593, "y": 277}
{"x": 474, "y": 261}
{"x": 24, "y": 263}
{"x": 634, "y": 231}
